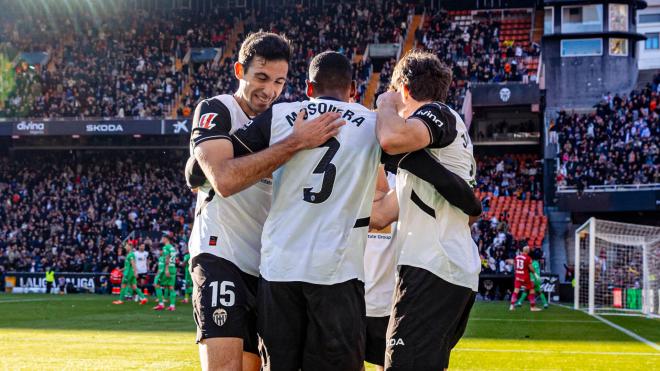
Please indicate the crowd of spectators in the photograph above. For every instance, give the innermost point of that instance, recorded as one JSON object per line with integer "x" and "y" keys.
{"x": 346, "y": 28}
{"x": 110, "y": 63}
{"x": 515, "y": 175}
{"x": 129, "y": 63}
{"x": 474, "y": 51}
{"x": 616, "y": 144}
{"x": 497, "y": 247}
{"x": 72, "y": 211}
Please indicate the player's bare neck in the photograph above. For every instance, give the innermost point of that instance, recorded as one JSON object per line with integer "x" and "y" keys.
{"x": 342, "y": 96}
{"x": 244, "y": 105}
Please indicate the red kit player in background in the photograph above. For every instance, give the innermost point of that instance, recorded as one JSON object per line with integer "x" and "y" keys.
{"x": 523, "y": 266}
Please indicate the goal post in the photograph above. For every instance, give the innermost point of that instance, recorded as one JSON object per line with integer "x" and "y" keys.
{"x": 617, "y": 268}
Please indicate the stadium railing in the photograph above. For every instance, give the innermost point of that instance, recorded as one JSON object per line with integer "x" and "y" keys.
{"x": 611, "y": 188}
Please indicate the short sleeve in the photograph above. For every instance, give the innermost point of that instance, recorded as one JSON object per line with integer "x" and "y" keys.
{"x": 440, "y": 121}
{"x": 211, "y": 121}
{"x": 254, "y": 136}
{"x": 391, "y": 162}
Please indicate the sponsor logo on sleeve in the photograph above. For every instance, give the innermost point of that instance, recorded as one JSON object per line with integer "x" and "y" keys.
{"x": 427, "y": 113}
{"x": 206, "y": 121}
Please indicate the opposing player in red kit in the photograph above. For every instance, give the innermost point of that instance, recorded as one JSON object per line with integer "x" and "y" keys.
{"x": 523, "y": 267}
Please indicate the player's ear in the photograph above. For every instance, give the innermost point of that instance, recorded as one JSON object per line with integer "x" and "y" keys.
{"x": 238, "y": 70}
{"x": 310, "y": 89}
{"x": 405, "y": 91}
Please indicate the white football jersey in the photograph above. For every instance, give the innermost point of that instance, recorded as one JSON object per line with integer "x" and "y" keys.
{"x": 380, "y": 268}
{"x": 317, "y": 227}
{"x": 141, "y": 261}
{"x": 228, "y": 227}
{"x": 380, "y": 272}
{"x": 431, "y": 233}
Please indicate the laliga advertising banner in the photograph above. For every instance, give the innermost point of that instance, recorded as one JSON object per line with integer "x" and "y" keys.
{"x": 86, "y": 127}
{"x": 25, "y": 282}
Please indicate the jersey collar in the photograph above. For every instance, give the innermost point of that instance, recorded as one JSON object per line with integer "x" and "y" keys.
{"x": 328, "y": 98}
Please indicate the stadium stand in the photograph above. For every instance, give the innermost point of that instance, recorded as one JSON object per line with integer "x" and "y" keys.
{"x": 138, "y": 64}
{"x": 481, "y": 46}
{"x": 72, "y": 211}
{"x": 614, "y": 145}
{"x": 115, "y": 64}
{"x": 510, "y": 189}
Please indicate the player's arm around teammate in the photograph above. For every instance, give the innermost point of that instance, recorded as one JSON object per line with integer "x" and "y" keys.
{"x": 404, "y": 140}
{"x": 229, "y": 175}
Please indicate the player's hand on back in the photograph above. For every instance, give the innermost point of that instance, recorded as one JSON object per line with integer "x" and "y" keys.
{"x": 309, "y": 134}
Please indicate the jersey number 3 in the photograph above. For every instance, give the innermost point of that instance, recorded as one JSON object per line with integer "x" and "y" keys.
{"x": 328, "y": 170}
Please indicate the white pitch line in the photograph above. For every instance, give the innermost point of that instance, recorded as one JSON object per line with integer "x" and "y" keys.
{"x": 533, "y": 320}
{"x": 628, "y": 332}
{"x": 555, "y": 352}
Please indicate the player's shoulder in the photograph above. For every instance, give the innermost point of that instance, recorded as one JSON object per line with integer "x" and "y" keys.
{"x": 436, "y": 112}
{"x": 284, "y": 110}
{"x": 359, "y": 108}
{"x": 220, "y": 100}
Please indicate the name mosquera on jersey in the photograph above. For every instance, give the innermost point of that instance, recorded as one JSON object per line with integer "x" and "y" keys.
{"x": 323, "y": 107}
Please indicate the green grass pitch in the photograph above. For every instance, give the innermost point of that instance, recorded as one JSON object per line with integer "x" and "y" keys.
{"x": 76, "y": 332}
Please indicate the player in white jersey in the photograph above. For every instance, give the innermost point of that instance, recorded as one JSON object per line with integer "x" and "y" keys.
{"x": 380, "y": 256}
{"x": 379, "y": 279}
{"x": 438, "y": 261}
{"x": 141, "y": 256}
{"x": 311, "y": 295}
{"x": 225, "y": 238}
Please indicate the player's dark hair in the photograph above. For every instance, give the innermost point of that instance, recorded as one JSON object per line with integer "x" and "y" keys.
{"x": 424, "y": 74}
{"x": 267, "y": 45}
{"x": 331, "y": 71}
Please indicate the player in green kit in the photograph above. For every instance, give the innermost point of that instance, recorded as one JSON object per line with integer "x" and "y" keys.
{"x": 189, "y": 282}
{"x": 166, "y": 276}
{"x": 129, "y": 280}
{"x": 536, "y": 280}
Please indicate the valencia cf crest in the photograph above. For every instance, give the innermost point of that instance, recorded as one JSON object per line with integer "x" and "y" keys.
{"x": 220, "y": 316}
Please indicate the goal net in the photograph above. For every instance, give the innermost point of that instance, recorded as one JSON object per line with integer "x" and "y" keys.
{"x": 617, "y": 268}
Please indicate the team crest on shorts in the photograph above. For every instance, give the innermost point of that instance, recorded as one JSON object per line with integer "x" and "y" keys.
{"x": 220, "y": 316}
{"x": 213, "y": 240}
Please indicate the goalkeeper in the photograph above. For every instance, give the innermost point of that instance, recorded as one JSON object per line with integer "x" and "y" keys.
{"x": 189, "y": 283}
{"x": 166, "y": 276}
{"x": 535, "y": 279}
{"x": 129, "y": 280}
